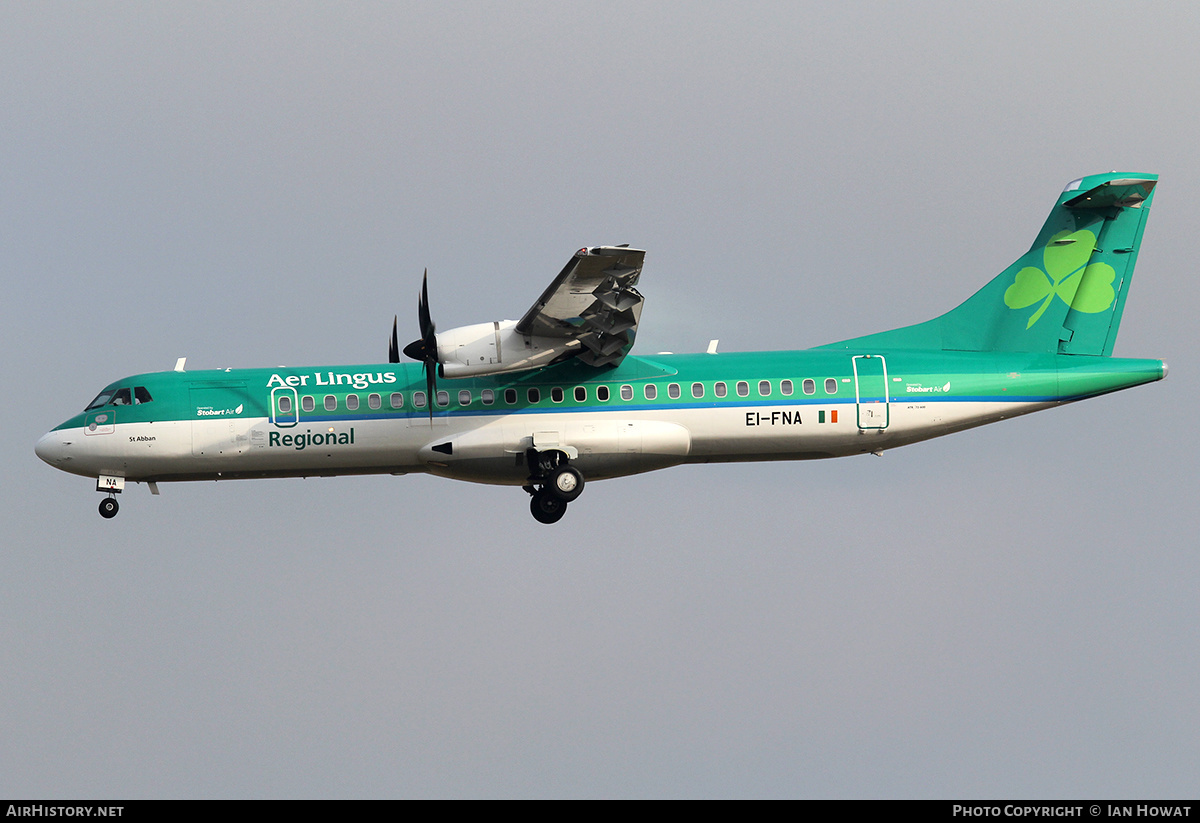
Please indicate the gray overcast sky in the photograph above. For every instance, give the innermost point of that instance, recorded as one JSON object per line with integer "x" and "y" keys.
{"x": 1004, "y": 612}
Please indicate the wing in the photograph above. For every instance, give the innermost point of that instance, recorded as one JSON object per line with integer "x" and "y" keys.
{"x": 593, "y": 300}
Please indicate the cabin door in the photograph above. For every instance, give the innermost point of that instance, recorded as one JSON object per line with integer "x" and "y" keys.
{"x": 871, "y": 391}
{"x": 217, "y": 426}
{"x": 285, "y": 410}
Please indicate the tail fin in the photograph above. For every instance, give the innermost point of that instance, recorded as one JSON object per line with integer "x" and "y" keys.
{"x": 1065, "y": 295}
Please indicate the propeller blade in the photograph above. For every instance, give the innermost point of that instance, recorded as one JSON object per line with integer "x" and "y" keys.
{"x": 425, "y": 349}
{"x": 431, "y": 385}
{"x": 423, "y": 318}
{"x": 394, "y": 344}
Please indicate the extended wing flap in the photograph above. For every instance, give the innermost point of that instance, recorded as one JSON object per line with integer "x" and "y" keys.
{"x": 593, "y": 300}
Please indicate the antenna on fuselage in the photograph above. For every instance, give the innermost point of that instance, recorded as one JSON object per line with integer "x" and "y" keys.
{"x": 179, "y": 363}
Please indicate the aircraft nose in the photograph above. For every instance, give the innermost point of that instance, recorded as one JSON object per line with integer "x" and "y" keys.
{"x": 51, "y": 448}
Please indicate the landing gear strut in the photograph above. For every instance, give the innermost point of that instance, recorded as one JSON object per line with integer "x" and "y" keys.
{"x": 553, "y": 483}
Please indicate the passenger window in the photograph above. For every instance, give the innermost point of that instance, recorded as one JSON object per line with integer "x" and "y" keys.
{"x": 374, "y": 401}
{"x": 743, "y": 388}
{"x": 464, "y": 397}
{"x": 418, "y": 399}
{"x": 720, "y": 390}
{"x": 285, "y": 404}
{"x": 627, "y": 392}
{"x": 443, "y": 398}
{"x": 510, "y": 396}
{"x": 488, "y": 397}
{"x": 352, "y": 402}
{"x": 580, "y": 394}
{"x": 307, "y": 403}
{"x": 651, "y": 391}
{"x": 398, "y": 400}
{"x": 673, "y": 391}
{"x": 785, "y": 387}
{"x": 140, "y": 395}
{"x": 830, "y": 385}
{"x": 764, "y": 388}
{"x": 602, "y": 394}
{"x": 809, "y": 385}
{"x": 697, "y": 390}
{"x": 556, "y": 394}
{"x": 534, "y": 395}
{"x": 330, "y": 403}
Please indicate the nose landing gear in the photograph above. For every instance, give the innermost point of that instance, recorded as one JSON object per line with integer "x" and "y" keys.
{"x": 112, "y": 485}
{"x": 553, "y": 483}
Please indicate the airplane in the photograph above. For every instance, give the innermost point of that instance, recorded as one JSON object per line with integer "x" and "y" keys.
{"x": 555, "y": 399}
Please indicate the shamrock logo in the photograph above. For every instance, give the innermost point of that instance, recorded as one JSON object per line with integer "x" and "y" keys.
{"x": 1065, "y": 267}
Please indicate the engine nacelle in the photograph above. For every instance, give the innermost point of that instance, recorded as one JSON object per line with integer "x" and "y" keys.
{"x": 495, "y": 348}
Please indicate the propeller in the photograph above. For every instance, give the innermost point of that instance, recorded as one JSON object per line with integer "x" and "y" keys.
{"x": 425, "y": 349}
{"x": 393, "y": 344}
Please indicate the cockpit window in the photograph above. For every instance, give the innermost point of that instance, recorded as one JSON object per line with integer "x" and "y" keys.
{"x": 102, "y": 399}
{"x": 120, "y": 397}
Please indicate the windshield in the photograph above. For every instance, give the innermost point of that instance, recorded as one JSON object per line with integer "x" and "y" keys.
{"x": 102, "y": 399}
{"x": 113, "y": 396}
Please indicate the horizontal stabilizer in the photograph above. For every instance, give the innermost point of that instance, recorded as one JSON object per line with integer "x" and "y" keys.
{"x": 1126, "y": 191}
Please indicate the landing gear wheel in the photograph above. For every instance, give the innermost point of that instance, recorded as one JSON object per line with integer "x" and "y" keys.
{"x": 546, "y": 507}
{"x": 566, "y": 483}
{"x": 109, "y": 507}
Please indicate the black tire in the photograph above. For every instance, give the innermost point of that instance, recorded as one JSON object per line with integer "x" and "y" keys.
{"x": 546, "y": 507}
{"x": 109, "y": 507}
{"x": 566, "y": 483}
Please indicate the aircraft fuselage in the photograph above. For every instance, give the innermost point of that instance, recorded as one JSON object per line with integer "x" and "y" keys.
{"x": 646, "y": 414}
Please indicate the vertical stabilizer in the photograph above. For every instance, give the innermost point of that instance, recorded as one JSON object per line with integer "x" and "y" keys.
{"x": 1065, "y": 295}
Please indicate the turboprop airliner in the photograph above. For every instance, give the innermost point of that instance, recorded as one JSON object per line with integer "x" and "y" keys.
{"x": 555, "y": 399}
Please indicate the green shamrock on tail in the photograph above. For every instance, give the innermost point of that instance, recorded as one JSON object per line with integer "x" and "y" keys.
{"x": 1065, "y": 260}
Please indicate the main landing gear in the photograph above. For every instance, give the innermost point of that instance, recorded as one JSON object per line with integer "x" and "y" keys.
{"x": 553, "y": 483}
